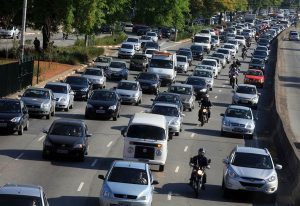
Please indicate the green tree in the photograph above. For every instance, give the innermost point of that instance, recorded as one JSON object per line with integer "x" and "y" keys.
{"x": 8, "y": 12}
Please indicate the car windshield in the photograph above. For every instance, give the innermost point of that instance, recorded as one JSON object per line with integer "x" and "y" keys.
{"x": 214, "y": 37}
{"x": 10, "y": 107}
{"x": 143, "y": 57}
{"x": 254, "y": 73}
{"x": 263, "y": 41}
{"x": 127, "y": 46}
{"x": 151, "y": 34}
{"x": 151, "y": 44}
{"x": 18, "y": 200}
{"x": 127, "y": 86}
{"x": 251, "y": 160}
{"x": 103, "y": 96}
{"x": 210, "y": 63}
{"x": 146, "y": 132}
{"x": 260, "y": 53}
{"x": 57, "y": 88}
{"x": 201, "y": 39}
{"x": 246, "y": 90}
{"x": 202, "y": 73}
{"x": 257, "y": 61}
{"x": 165, "y": 110}
{"x": 223, "y": 51}
{"x": 181, "y": 59}
{"x": 102, "y": 59}
{"x": 66, "y": 129}
{"x": 167, "y": 98}
{"x": 240, "y": 37}
{"x": 181, "y": 90}
{"x": 128, "y": 176}
{"x": 200, "y": 67}
{"x": 147, "y": 76}
{"x": 132, "y": 40}
{"x": 262, "y": 48}
{"x": 196, "y": 81}
{"x": 161, "y": 63}
{"x": 77, "y": 81}
{"x": 218, "y": 55}
{"x": 94, "y": 72}
{"x": 196, "y": 48}
{"x": 41, "y": 94}
{"x": 117, "y": 65}
{"x": 150, "y": 51}
{"x": 229, "y": 46}
{"x": 238, "y": 113}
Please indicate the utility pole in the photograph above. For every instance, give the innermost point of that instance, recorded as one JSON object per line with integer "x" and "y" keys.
{"x": 23, "y": 29}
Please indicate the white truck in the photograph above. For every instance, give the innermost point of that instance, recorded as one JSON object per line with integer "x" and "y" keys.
{"x": 203, "y": 40}
{"x": 9, "y": 32}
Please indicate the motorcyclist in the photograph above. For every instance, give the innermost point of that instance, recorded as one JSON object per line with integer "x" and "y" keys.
{"x": 234, "y": 71}
{"x": 205, "y": 103}
{"x": 244, "y": 51}
{"x": 199, "y": 161}
{"x": 238, "y": 63}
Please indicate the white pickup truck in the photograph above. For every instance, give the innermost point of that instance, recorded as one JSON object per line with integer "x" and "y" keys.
{"x": 9, "y": 32}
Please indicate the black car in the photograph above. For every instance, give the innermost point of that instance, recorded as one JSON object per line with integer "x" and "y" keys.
{"x": 13, "y": 116}
{"x": 197, "y": 52}
{"x": 67, "y": 137}
{"x": 103, "y": 103}
{"x": 152, "y": 45}
{"x": 143, "y": 31}
{"x": 259, "y": 54}
{"x": 187, "y": 53}
{"x": 166, "y": 32}
{"x": 199, "y": 84}
{"x": 137, "y": 27}
{"x": 167, "y": 97}
{"x": 149, "y": 82}
{"x": 81, "y": 86}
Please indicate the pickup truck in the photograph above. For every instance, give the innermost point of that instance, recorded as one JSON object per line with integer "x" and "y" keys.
{"x": 9, "y": 32}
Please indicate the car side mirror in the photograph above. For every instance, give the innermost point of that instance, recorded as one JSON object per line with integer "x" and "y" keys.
{"x": 222, "y": 115}
{"x": 45, "y": 131}
{"x": 226, "y": 161}
{"x": 209, "y": 161}
{"x": 101, "y": 177}
{"x": 62, "y": 81}
{"x": 258, "y": 94}
{"x": 278, "y": 167}
{"x": 152, "y": 100}
{"x": 123, "y": 132}
{"x": 183, "y": 115}
{"x": 154, "y": 182}
{"x": 89, "y": 135}
{"x": 114, "y": 88}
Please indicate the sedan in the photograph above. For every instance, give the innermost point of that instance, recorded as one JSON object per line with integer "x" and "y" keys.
{"x": 256, "y": 63}
{"x": 151, "y": 45}
{"x": 130, "y": 91}
{"x": 102, "y": 62}
{"x": 117, "y": 70}
{"x": 167, "y": 97}
{"x": 96, "y": 76}
{"x": 13, "y": 116}
{"x": 153, "y": 36}
{"x": 246, "y": 94}
{"x": 81, "y": 86}
{"x": 103, "y": 103}
{"x": 207, "y": 75}
{"x": 186, "y": 93}
{"x": 221, "y": 57}
{"x": 149, "y": 52}
{"x": 149, "y": 82}
{"x": 255, "y": 77}
{"x": 199, "y": 84}
{"x": 238, "y": 120}
{"x": 66, "y": 137}
{"x": 260, "y": 55}
{"x": 197, "y": 52}
{"x": 182, "y": 63}
{"x": 231, "y": 47}
{"x": 187, "y": 53}
{"x": 126, "y": 50}
{"x": 127, "y": 183}
{"x": 39, "y": 101}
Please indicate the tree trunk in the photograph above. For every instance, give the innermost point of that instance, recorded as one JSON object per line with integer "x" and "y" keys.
{"x": 46, "y": 34}
{"x": 86, "y": 40}
{"x": 231, "y": 16}
{"x": 220, "y": 18}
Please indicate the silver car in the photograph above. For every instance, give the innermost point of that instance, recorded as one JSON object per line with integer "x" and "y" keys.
{"x": 246, "y": 94}
{"x": 127, "y": 183}
{"x": 63, "y": 95}
{"x": 126, "y": 50}
{"x": 102, "y": 62}
{"x": 186, "y": 93}
{"x": 173, "y": 115}
{"x": 250, "y": 169}
{"x": 96, "y": 76}
{"x": 39, "y": 101}
{"x": 182, "y": 63}
{"x": 207, "y": 75}
{"x": 17, "y": 194}
{"x": 238, "y": 120}
{"x": 130, "y": 91}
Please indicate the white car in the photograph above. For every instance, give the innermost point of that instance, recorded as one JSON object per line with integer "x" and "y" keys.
{"x": 231, "y": 47}
{"x": 149, "y": 52}
{"x": 126, "y": 50}
{"x": 96, "y": 76}
{"x": 213, "y": 63}
{"x": 130, "y": 91}
{"x": 208, "y": 75}
{"x": 226, "y": 52}
{"x": 241, "y": 39}
{"x": 153, "y": 35}
{"x": 206, "y": 67}
{"x": 216, "y": 37}
{"x": 182, "y": 63}
{"x": 134, "y": 41}
{"x": 235, "y": 43}
{"x": 221, "y": 57}
{"x": 250, "y": 169}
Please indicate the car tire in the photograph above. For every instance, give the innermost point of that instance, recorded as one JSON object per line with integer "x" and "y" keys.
{"x": 86, "y": 116}
{"x": 48, "y": 116}
{"x": 226, "y": 192}
{"x": 223, "y": 133}
{"x": 27, "y": 126}
{"x": 67, "y": 109}
{"x": 21, "y": 130}
{"x": 71, "y": 106}
{"x": 161, "y": 168}
{"x": 190, "y": 109}
{"x": 176, "y": 133}
{"x": 115, "y": 118}
{"x": 81, "y": 158}
{"x": 249, "y": 136}
{"x": 45, "y": 156}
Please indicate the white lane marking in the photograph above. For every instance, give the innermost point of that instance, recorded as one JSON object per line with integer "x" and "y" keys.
{"x": 80, "y": 187}
{"x": 177, "y": 169}
{"x": 192, "y": 135}
{"x": 20, "y": 155}
{"x": 186, "y": 148}
{"x": 170, "y": 196}
{"x": 41, "y": 138}
{"x": 162, "y": 43}
{"x": 223, "y": 85}
{"x": 94, "y": 163}
{"x": 109, "y": 144}
{"x": 220, "y": 90}
{"x": 216, "y": 97}
{"x": 226, "y": 81}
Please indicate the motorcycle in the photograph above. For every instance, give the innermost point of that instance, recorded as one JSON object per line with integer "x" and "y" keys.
{"x": 203, "y": 115}
{"x": 233, "y": 80}
{"x": 198, "y": 178}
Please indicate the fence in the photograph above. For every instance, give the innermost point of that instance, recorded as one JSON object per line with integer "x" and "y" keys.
{"x": 15, "y": 76}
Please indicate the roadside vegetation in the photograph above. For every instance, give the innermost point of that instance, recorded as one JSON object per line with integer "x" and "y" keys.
{"x": 114, "y": 39}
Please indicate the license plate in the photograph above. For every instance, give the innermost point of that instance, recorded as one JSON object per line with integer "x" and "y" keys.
{"x": 62, "y": 151}
{"x": 100, "y": 111}
{"x": 123, "y": 204}
{"x": 3, "y": 124}
{"x": 237, "y": 130}
{"x": 251, "y": 188}
{"x": 145, "y": 87}
{"x": 244, "y": 101}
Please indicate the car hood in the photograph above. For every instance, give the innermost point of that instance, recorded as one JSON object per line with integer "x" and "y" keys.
{"x": 101, "y": 103}
{"x": 126, "y": 50}
{"x": 101, "y": 64}
{"x": 252, "y": 172}
{"x": 77, "y": 87}
{"x": 202, "y": 44}
{"x": 8, "y": 116}
{"x": 245, "y": 96}
{"x": 126, "y": 92}
{"x": 60, "y": 95}
{"x": 127, "y": 189}
{"x": 199, "y": 86}
{"x": 115, "y": 69}
{"x": 254, "y": 77}
{"x": 147, "y": 81}
{"x": 171, "y": 118}
{"x": 34, "y": 101}
{"x": 238, "y": 120}
{"x": 185, "y": 97}
{"x": 92, "y": 77}
{"x": 58, "y": 139}
{"x": 138, "y": 61}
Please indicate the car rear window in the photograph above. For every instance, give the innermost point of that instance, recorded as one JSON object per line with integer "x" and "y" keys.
{"x": 146, "y": 132}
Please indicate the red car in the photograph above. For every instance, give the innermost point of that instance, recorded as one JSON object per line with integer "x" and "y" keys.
{"x": 255, "y": 77}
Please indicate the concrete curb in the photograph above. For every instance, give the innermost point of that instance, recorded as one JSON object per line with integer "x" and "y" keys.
{"x": 183, "y": 41}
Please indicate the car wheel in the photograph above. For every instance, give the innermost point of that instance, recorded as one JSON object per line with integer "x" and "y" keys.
{"x": 27, "y": 126}
{"x": 67, "y": 109}
{"x": 81, "y": 157}
{"x": 226, "y": 192}
{"x": 115, "y": 118}
{"x": 86, "y": 116}
{"x": 222, "y": 133}
{"x": 190, "y": 109}
{"x": 48, "y": 116}
{"x": 161, "y": 168}
{"x": 21, "y": 130}
{"x": 71, "y": 106}
{"x": 176, "y": 133}
{"x": 45, "y": 156}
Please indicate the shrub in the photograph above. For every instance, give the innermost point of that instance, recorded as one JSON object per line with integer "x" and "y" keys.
{"x": 103, "y": 41}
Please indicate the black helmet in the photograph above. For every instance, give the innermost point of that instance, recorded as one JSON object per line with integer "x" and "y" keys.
{"x": 201, "y": 151}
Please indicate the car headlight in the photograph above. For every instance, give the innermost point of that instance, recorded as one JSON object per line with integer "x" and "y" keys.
{"x": 158, "y": 152}
{"x": 84, "y": 89}
{"x": 135, "y": 95}
{"x": 143, "y": 198}
{"x": 226, "y": 123}
{"x": 113, "y": 107}
{"x": 250, "y": 126}
{"x": 62, "y": 99}
{"x": 89, "y": 106}
{"x": 45, "y": 105}
{"x": 78, "y": 146}
{"x": 47, "y": 143}
{"x": 15, "y": 119}
{"x": 272, "y": 178}
{"x": 232, "y": 173}
{"x": 175, "y": 122}
{"x": 106, "y": 192}
{"x": 254, "y": 98}
{"x": 203, "y": 90}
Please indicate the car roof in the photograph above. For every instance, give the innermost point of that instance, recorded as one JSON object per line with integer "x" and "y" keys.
{"x": 182, "y": 85}
{"x": 252, "y": 150}
{"x": 238, "y": 107}
{"x": 69, "y": 121}
{"x": 149, "y": 119}
{"x": 22, "y": 190}
{"x": 36, "y": 88}
{"x": 57, "y": 83}
{"x": 246, "y": 85}
{"x": 130, "y": 164}
{"x": 166, "y": 104}
{"x": 129, "y": 81}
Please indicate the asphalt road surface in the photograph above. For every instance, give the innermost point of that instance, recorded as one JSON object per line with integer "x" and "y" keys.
{"x": 71, "y": 183}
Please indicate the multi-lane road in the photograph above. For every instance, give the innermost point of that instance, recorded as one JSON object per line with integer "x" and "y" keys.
{"x": 76, "y": 184}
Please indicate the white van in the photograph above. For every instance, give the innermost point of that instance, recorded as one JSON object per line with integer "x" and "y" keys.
{"x": 164, "y": 64}
{"x": 146, "y": 139}
{"x": 203, "y": 40}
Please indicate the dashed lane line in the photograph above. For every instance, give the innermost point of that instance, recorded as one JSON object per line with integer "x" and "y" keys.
{"x": 177, "y": 169}
{"x": 109, "y": 144}
{"x": 170, "y": 196}
{"x": 220, "y": 90}
{"x": 192, "y": 135}
{"x": 186, "y": 148}
{"x": 20, "y": 155}
{"x": 80, "y": 187}
{"x": 94, "y": 163}
{"x": 216, "y": 97}
{"x": 41, "y": 138}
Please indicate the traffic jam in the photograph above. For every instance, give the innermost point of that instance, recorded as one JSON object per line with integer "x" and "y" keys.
{"x": 146, "y": 96}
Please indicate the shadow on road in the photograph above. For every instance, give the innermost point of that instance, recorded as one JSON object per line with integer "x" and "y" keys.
{"x": 72, "y": 200}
